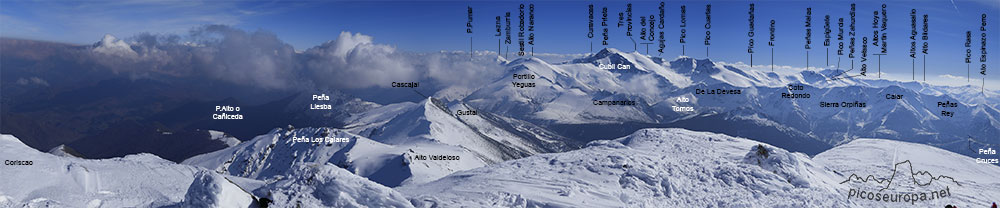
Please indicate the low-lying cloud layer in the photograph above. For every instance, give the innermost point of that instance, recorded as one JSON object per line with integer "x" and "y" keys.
{"x": 261, "y": 59}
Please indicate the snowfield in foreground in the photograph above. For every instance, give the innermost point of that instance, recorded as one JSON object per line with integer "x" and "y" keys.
{"x": 649, "y": 168}
{"x": 141, "y": 180}
{"x": 920, "y": 169}
{"x": 318, "y": 185}
{"x": 677, "y": 167}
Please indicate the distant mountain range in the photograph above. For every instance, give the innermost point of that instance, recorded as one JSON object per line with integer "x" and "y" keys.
{"x": 71, "y": 100}
{"x": 783, "y": 109}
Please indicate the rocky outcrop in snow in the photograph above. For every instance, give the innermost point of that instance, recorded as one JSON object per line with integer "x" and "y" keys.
{"x": 210, "y": 189}
{"x": 319, "y": 185}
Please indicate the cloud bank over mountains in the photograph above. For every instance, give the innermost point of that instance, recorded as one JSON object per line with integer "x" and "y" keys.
{"x": 350, "y": 61}
{"x": 259, "y": 58}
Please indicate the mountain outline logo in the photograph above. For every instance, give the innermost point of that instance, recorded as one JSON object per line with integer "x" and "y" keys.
{"x": 895, "y": 169}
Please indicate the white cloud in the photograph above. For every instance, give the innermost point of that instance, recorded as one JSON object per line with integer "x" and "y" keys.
{"x": 32, "y": 81}
{"x": 352, "y": 61}
{"x": 948, "y": 76}
{"x": 82, "y": 21}
{"x": 261, "y": 59}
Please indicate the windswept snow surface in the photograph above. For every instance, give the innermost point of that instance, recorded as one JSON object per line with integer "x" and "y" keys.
{"x": 971, "y": 184}
{"x": 650, "y": 168}
{"x": 141, "y": 180}
{"x": 210, "y": 189}
{"x": 682, "y": 168}
{"x": 325, "y": 185}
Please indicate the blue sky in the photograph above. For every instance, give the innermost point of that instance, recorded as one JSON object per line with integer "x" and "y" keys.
{"x": 561, "y": 27}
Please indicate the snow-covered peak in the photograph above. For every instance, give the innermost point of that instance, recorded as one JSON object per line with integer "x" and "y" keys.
{"x": 432, "y": 121}
{"x": 501, "y": 59}
{"x": 606, "y": 53}
{"x": 110, "y": 45}
{"x": 691, "y": 66}
{"x": 683, "y": 64}
{"x": 272, "y": 155}
{"x": 617, "y": 61}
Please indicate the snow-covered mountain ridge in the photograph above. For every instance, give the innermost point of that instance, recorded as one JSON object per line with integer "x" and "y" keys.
{"x": 648, "y": 168}
{"x": 788, "y": 106}
{"x": 395, "y": 139}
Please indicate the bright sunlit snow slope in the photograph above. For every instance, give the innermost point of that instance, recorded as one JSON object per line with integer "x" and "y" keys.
{"x": 493, "y": 138}
{"x": 325, "y": 185}
{"x": 974, "y": 185}
{"x": 677, "y": 167}
{"x": 141, "y": 180}
{"x": 274, "y": 154}
{"x": 394, "y": 135}
{"x": 649, "y": 168}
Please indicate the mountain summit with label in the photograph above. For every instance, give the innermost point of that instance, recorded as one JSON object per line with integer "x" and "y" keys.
{"x": 807, "y": 111}
{"x": 603, "y": 129}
